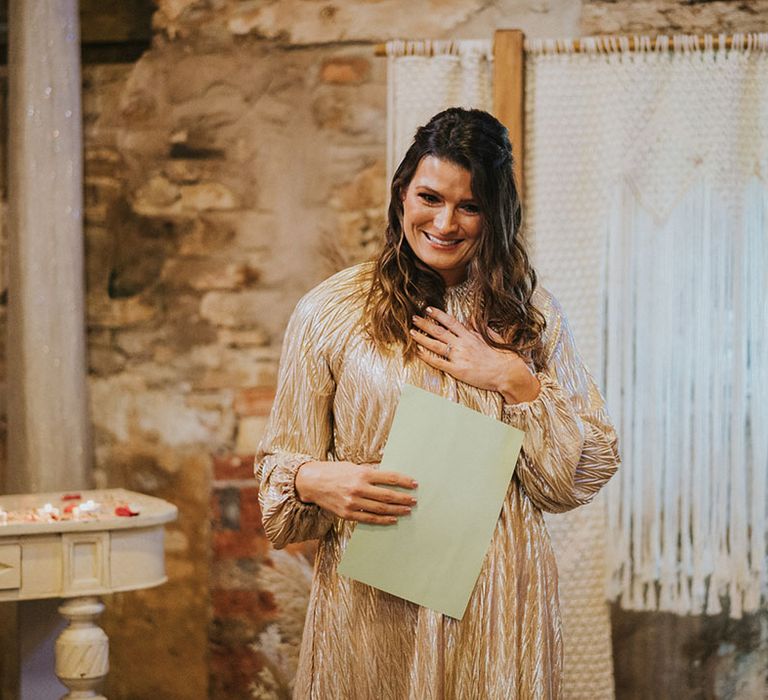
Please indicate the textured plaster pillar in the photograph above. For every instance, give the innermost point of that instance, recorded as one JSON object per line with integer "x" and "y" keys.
{"x": 48, "y": 435}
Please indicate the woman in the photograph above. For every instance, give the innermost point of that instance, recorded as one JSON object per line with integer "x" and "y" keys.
{"x": 451, "y": 305}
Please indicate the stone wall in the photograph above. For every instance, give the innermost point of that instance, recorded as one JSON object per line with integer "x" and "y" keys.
{"x": 673, "y": 16}
{"x": 236, "y": 164}
{"x": 221, "y": 183}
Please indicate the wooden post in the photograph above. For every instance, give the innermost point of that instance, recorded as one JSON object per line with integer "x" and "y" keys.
{"x": 509, "y": 93}
{"x": 48, "y": 425}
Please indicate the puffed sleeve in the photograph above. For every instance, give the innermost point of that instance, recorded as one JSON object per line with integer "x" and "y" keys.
{"x": 570, "y": 448}
{"x": 300, "y": 430}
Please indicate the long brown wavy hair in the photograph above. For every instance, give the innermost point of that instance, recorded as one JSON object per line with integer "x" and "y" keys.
{"x": 502, "y": 277}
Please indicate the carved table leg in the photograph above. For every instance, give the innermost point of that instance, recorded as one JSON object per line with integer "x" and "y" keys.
{"x": 82, "y": 649}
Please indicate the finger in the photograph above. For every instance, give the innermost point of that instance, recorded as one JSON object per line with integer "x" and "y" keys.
{"x": 450, "y": 322}
{"x": 435, "y": 361}
{"x": 399, "y": 498}
{"x": 493, "y": 335}
{"x": 369, "y": 505}
{"x": 437, "y": 346}
{"x": 392, "y": 479}
{"x": 432, "y": 328}
{"x": 372, "y": 518}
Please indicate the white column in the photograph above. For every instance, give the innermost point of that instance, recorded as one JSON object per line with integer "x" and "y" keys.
{"x": 48, "y": 426}
{"x": 48, "y": 435}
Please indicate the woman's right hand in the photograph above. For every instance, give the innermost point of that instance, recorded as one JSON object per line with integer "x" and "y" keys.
{"x": 350, "y": 491}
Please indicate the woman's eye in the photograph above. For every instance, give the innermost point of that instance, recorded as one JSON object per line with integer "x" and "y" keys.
{"x": 471, "y": 208}
{"x": 428, "y": 198}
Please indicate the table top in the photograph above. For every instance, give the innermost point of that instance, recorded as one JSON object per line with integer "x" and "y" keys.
{"x": 109, "y": 509}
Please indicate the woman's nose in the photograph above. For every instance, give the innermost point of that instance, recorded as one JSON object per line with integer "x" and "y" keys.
{"x": 445, "y": 220}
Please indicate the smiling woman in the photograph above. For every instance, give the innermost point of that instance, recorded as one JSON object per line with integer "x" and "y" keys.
{"x": 450, "y": 305}
{"x": 454, "y": 213}
{"x": 441, "y": 220}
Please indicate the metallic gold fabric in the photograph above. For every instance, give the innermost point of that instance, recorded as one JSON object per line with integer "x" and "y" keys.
{"x": 336, "y": 398}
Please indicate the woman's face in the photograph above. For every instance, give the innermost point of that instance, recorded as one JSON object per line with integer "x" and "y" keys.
{"x": 441, "y": 219}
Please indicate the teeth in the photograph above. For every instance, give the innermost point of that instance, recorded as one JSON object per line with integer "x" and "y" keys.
{"x": 445, "y": 244}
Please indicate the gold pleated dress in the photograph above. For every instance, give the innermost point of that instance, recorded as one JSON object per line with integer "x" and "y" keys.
{"x": 336, "y": 398}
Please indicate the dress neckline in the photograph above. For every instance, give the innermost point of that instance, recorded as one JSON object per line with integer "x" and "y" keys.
{"x": 457, "y": 291}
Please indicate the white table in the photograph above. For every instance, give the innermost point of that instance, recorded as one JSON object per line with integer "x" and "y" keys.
{"x": 79, "y": 560}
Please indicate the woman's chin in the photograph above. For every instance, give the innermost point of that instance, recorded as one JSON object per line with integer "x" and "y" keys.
{"x": 451, "y": 273}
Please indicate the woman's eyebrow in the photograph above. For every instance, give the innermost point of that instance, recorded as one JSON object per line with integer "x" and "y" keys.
{"x": 437, "y": 192}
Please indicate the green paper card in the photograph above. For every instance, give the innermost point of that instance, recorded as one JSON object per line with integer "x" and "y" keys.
{"x": 463, "y": 462}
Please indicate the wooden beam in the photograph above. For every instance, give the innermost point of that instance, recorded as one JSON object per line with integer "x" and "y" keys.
{"x": 509, "y": 93}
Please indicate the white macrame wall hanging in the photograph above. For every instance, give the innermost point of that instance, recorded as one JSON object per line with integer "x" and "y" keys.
{"x": 648, "y": 203}
{"x": 646, "y": 211}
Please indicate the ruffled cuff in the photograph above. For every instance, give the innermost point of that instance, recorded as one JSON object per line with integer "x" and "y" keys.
{"x": 285, "y": 517}
{"x": 549, "y": 421}
{"x": 519, "y": 414}
{"x": 554, "y": 437}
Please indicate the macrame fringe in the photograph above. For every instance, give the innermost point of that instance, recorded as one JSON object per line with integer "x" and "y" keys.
{"x": 397, "y": 48}
{"x": 686, "y": 367}
{"x": 625, "y": 44}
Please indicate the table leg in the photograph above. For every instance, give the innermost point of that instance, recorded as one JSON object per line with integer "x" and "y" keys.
{"x": 82, "y": 649}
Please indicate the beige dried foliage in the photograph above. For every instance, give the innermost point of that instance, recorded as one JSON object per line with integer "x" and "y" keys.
{"x": 289, "y": 580}
{"x": 266, "y": 687}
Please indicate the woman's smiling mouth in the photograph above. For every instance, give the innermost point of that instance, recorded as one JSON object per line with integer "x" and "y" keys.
{"x": 441, "y": 242}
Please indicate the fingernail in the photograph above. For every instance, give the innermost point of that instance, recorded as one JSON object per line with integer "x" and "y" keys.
{"x": 412, "y": 331}
{"x": 392, "y": 521}
{"x": 413, "y": 501}
{"x": 414, "y": 484}
{"x": 428, "y": 309}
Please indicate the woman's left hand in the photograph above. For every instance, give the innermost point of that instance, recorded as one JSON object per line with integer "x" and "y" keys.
{"x": 464, "y": 354}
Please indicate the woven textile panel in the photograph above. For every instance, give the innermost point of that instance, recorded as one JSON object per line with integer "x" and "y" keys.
{"x": 647, "y": 207}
